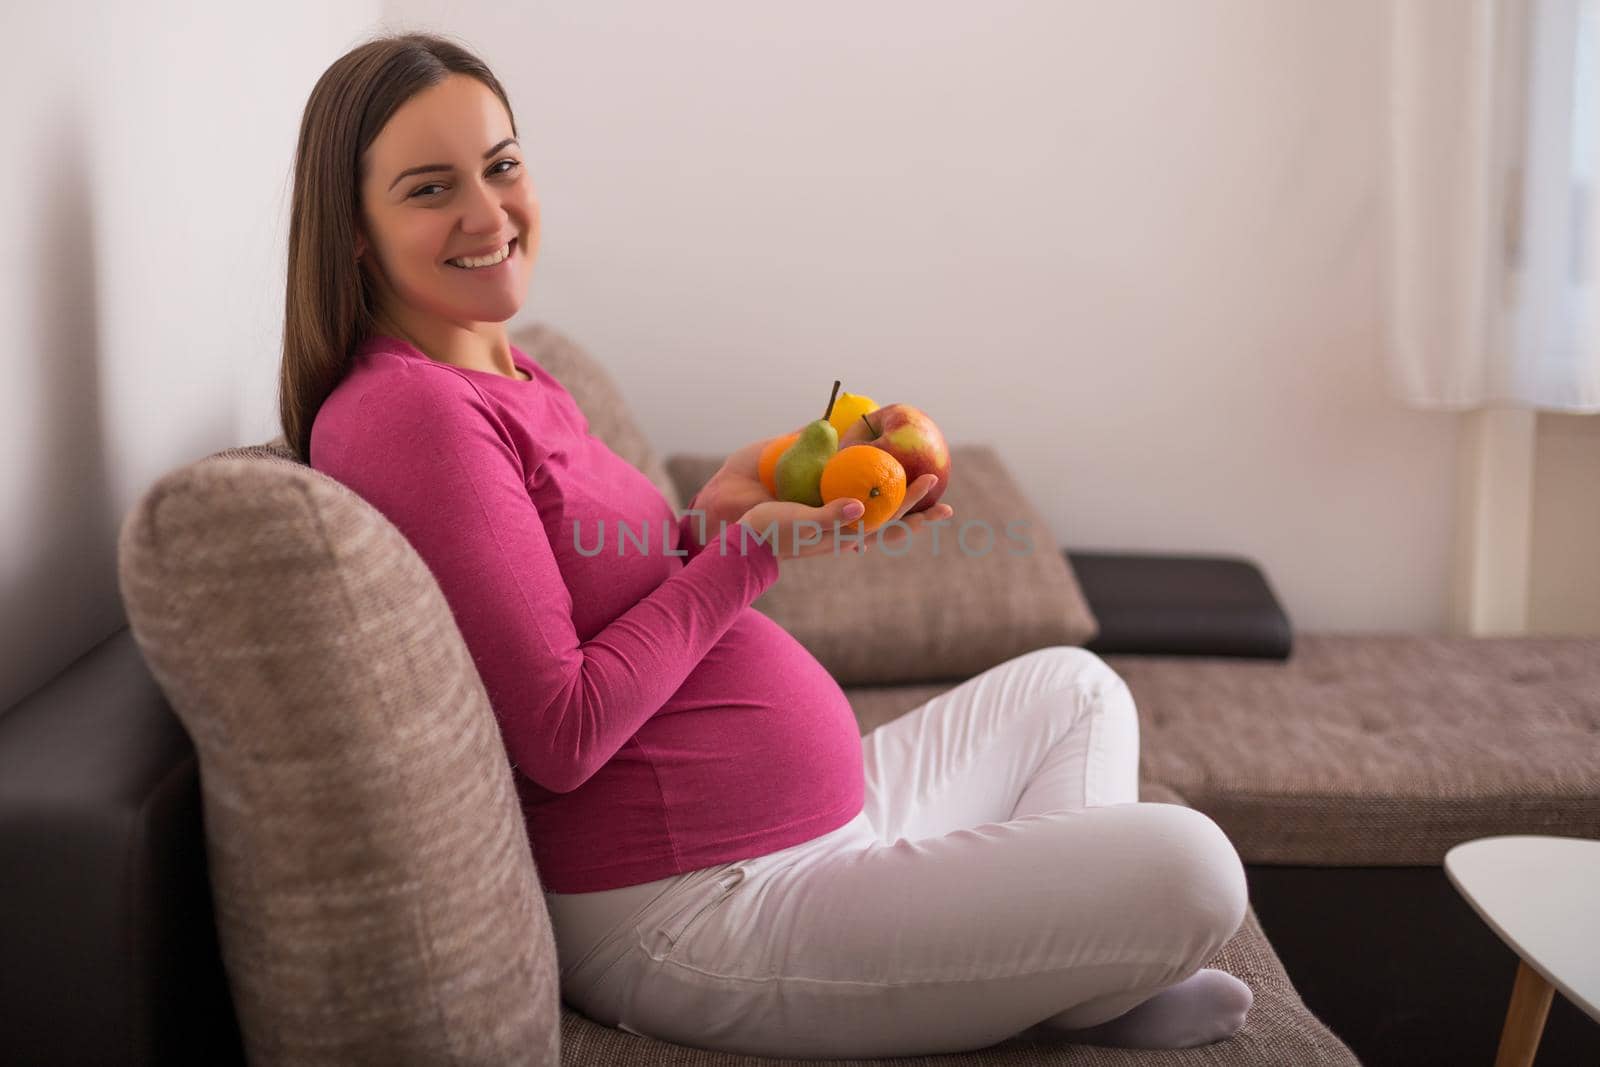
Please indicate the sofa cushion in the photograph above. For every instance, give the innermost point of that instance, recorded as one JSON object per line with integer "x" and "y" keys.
{"x": 930, "y": 611}
{"x": 596, "y": 393}
{"x": 1378, "y": 749}
{"x": 376, "y": 896}
{"x": 1160, "y": 604}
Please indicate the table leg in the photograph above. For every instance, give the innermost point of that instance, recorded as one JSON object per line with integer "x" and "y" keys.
{"x": 1530, "y": 1003}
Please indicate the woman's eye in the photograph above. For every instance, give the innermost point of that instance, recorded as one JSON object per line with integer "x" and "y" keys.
{"x": 493, "y": 170}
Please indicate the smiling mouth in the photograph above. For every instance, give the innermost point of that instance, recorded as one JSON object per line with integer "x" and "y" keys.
{"x": 510, "y": 247}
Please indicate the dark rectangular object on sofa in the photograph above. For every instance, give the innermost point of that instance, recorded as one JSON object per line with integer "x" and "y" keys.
{"x": 1182, "y": 605}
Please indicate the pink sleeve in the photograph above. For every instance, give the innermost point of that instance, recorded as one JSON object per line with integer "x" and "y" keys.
{"x": 437, "y": 462}
{"x": 689, "y": 526}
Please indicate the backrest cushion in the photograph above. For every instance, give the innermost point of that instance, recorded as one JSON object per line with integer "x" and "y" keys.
{"x": 376, "y": 895}
{"x": 598, "y": 397}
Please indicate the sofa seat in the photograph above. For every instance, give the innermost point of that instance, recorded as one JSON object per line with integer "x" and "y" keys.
{"x": 1378, "y": 749}
{"x": 1280, "y": 1029}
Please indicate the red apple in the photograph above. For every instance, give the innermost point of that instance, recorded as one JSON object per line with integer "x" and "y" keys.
{"x": 910, "y": 437}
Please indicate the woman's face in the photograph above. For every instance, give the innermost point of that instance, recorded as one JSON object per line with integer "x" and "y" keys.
{"x": 473, "y": 198}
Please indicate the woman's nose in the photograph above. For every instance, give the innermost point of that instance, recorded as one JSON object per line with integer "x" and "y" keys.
{"x": 482, "y": 211}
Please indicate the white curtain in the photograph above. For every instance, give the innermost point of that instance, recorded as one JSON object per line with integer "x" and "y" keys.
{"x": 1492, "y": 230}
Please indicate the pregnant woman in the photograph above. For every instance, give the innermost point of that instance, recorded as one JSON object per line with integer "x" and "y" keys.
{"x": 727, "y": 863}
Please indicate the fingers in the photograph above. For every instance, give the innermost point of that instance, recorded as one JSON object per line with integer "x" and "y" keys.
{"x": 909, "y": 524}
{"x": 845, "y": 510}
{"x": 915, "y": 492}
{"x": 903, "y": 525}
{"x": 808, "y": 531}
{"x": 834, "y": 523}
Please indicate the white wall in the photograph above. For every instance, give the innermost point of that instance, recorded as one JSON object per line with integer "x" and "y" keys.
{"x": 1134, "y": 246}
{"x": 1564, "y": 583}
{"x": 146, "y": 157}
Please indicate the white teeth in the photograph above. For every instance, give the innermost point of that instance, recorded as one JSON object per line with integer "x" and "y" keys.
{"x": 481, "y": 261}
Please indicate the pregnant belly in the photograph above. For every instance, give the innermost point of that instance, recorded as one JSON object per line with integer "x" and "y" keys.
{"x": 759, "y": 717}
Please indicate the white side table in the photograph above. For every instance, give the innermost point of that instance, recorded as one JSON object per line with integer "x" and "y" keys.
{"x": 1542, "y": 896}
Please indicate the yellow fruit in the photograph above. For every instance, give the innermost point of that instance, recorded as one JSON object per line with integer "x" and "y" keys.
{"x": 873, "y": 477}
{"x": 769, "y": 459}
{"x": 848, "y": 409}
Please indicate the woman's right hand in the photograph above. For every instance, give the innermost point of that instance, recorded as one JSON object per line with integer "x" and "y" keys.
{"x": 789, "y": 523}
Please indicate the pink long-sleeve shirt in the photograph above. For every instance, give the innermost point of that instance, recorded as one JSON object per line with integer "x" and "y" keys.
{"x": 656, "y": 722}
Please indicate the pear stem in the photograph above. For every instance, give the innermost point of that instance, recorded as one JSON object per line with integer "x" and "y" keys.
{"x": 832, "y": 397}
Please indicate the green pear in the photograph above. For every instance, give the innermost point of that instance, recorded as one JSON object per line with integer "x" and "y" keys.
{"x": 799, "y": 471}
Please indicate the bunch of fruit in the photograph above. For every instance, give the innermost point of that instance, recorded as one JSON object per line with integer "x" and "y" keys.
{"x": 858, "y": 449}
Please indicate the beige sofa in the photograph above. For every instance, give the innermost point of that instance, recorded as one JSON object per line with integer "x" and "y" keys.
{"x": 375, "y": 896}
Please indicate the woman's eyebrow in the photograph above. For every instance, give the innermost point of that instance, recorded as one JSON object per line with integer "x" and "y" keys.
{"x": 445, "y": 167}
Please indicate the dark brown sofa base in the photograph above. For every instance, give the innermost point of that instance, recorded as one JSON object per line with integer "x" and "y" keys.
{"x": 1401, "y": 968}
{"x": 108, "y": 954}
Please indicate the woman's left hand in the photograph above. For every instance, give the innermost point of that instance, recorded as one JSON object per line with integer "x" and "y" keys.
{"x": 737, "y": 487}
{"x": 901, "y": 527}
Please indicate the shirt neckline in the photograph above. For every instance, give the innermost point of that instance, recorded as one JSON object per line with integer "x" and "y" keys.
{"x": 389, "y": 343}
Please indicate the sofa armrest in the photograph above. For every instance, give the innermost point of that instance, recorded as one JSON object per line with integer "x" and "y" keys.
{"x": 377, "y": 899}
{"x": 108, "y": 949}
{"x": 1174, "y": 605}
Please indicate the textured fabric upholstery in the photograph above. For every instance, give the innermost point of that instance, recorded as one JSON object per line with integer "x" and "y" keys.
{"x": 1378, "y": 749}
{"x": 930, "y": 612}
{"x": 376, "y": 895}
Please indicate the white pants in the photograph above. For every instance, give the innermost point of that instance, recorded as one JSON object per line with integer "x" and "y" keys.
{"x": 1002, "y": 874}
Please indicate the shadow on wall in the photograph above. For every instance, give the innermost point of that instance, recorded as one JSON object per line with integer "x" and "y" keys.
{"x": 60, "y": 589}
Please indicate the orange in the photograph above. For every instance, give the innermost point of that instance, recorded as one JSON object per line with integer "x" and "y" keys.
{"x": 873, "y": 477}
{"x": 769, "y": 459}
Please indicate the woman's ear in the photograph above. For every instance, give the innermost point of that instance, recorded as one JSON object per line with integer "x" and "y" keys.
{"x": 361, "y": 245}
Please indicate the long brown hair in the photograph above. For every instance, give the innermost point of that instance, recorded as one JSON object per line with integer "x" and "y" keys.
{"x": 328, "y": 303}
